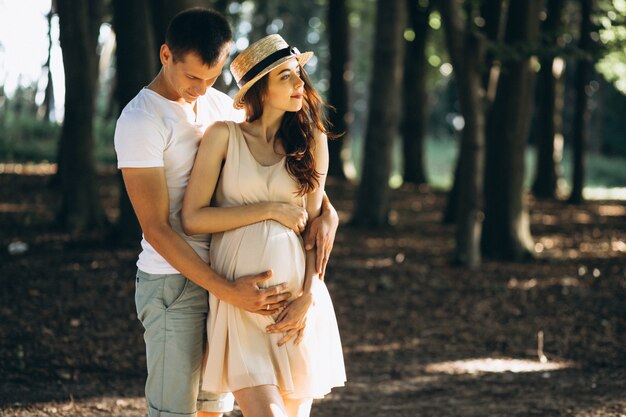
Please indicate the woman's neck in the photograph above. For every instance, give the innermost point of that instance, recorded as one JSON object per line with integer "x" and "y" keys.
{"x": 269, "y": 123}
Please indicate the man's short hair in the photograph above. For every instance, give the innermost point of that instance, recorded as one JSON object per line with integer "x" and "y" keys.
{"x": 201, "y": 31}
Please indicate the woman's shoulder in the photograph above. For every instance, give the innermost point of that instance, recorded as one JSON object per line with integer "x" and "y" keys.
{"x": 216, "y": 136}
{"x": 219, "y": 129}
{"x": 319, "y": 136}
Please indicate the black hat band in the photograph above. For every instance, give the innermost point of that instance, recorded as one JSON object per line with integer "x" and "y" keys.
{"x": 267, "y": 61}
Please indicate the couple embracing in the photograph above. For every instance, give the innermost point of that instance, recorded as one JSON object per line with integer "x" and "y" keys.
{"x": 252, "y": 315}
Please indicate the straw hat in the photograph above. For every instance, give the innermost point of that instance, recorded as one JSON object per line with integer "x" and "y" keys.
{"x": 260, "y": 58}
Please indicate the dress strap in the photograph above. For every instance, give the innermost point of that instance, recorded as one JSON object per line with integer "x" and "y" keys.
{"x": 232, "y": 153}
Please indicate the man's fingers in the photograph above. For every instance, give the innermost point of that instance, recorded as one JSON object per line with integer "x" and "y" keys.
{"x": 277, "y": 301}
{"x": 323, "y": 273}
{"x": 275, "y": 294}
{"x": 265, "y": 312}
{"x": 263, "y": 276}
{"x": 311, "y": 235}
{"x": 319, "y": 258}
{"x": 253, "y": 279}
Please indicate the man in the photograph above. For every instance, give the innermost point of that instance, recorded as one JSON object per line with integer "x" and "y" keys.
{"x": 156, "y": 140}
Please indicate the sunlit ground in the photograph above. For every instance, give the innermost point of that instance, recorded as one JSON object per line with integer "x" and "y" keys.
{"x": 596, "y": 193}
{"x": 590, "y": 193}
{"x": 493, "y": 365}
{"x": 104, "y": 405}
{"x": 28, "y": 169}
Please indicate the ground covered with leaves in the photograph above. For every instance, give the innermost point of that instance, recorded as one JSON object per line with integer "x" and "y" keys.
{"x": 421, "y": 336}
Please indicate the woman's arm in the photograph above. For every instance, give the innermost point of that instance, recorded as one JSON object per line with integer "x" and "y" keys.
{"x": 293, "y": 318}
{"x": 199, "y": 218}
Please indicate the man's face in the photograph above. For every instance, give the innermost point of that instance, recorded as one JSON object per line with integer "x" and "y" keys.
{"x": 189, "y": 78}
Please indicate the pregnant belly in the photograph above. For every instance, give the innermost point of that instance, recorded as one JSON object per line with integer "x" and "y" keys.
{"x": 257, "y": 248}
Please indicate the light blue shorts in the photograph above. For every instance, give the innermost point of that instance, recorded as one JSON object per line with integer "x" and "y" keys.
{"x": 173, "y": 311}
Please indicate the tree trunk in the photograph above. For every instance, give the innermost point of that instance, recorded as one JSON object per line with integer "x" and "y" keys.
{"x": 372, "y": 205}
{"x": 494, "y": 13}
{"x": 135, "y": 68}
{"x": 260, "y": 20}
{"x": 467, "y": 52}
{"x": 415, "y": 95}
{"x": 221, "y": 6}
{"x": 582, "y": 115}
{"x": 506, "y": 230}
{"x": 48, "y": 101}
{"x": 550, "y": 108}
{"x": 341, "y": 75}
{"x": 79, "y": 23}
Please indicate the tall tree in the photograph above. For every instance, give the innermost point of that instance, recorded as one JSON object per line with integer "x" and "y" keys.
{"x": 550, "y": 105}
{"x": 372, "y": 205}
{"x": 341, "y": 75}
{"x": 48, "y": 101}
{"x": 415, "y": 94}
{"x": 135, "y": 66}
{"x": 506, "y": 229}
{"x": 221, "y": 6}
{"x": 493, "y": 14}
{"x": 79, "y": 23}
{"x": 260, "y": 21}
{"x": 466, "y": 45}
{"x": 584, "y": 70}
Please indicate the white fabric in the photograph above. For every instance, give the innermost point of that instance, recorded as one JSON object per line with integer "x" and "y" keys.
{"x": 241, "y": 354}
{"x": 153, "y": 131}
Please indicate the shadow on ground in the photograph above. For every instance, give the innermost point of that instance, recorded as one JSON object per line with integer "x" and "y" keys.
{"x": 421, "y": 337}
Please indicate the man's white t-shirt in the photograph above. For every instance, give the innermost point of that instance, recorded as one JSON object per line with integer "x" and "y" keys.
{"x": 153, "y": 131}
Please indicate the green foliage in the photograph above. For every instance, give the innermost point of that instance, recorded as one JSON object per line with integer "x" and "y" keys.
{"x": 612, "y": 36}
{"x": 26, "y": 138}
{"x": 442, "y": 152}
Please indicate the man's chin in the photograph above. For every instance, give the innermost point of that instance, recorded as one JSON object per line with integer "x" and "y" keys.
{"x": 190, "y": 98}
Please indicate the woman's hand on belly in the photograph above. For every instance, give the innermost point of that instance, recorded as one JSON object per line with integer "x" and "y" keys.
{"x": 292, "y": 320}
{"x": 289, "y": 215}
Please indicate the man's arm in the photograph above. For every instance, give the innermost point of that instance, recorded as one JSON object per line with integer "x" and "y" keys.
{"x": 147, "y": 190}
{"x": 321, "y": 235}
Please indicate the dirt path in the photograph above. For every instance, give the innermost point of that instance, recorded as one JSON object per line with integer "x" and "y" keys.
{"x": 421, "y": 337}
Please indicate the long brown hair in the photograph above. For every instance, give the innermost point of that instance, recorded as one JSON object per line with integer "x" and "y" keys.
{"x": 296, "y": 131}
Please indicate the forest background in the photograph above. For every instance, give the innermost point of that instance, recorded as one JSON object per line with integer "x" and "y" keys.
{"x": 482, "y": 166}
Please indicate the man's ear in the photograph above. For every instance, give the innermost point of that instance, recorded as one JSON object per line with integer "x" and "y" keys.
{"x": 165, "y": 55}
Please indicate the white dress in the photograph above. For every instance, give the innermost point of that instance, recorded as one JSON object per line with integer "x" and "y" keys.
{"x": 241, "y": 353}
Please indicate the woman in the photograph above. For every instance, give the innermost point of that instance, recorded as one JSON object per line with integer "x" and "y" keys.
{"x": 274, "y": 365}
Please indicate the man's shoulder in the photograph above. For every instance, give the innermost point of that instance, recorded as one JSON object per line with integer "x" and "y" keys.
{"x": 221, "y": 106}
{"x": 142, "y": 108}
{"x": 217, "y": 97}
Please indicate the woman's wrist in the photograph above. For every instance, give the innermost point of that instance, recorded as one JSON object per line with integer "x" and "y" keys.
{"x": 269, "y": 210}
{"x": 310, "y": 281}
{"x": 307, "y": 296}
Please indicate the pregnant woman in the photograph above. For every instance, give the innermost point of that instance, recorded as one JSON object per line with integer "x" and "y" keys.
{"x": 275, "y": 364}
